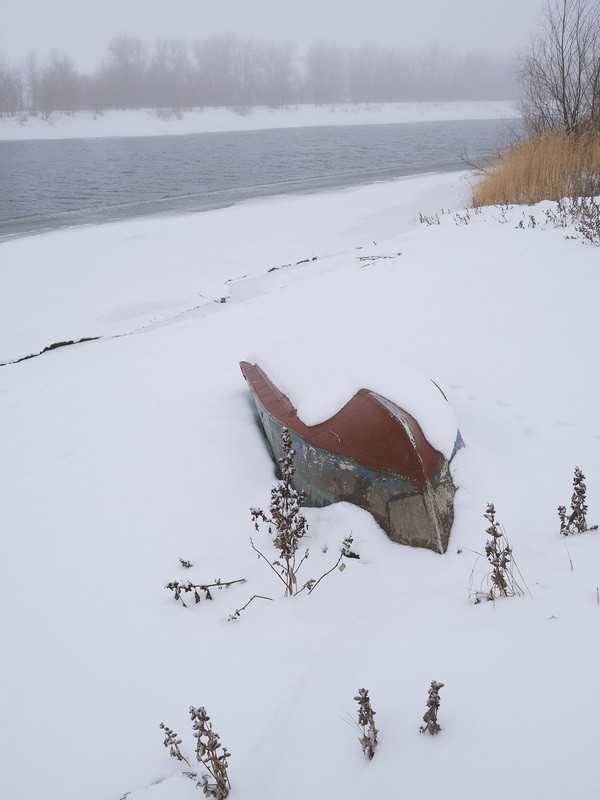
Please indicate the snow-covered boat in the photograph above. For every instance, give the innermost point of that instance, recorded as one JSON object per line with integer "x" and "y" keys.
{"x": 371, "y": 453}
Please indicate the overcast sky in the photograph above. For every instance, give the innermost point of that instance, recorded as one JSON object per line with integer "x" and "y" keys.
{"x": 82, "y": 28}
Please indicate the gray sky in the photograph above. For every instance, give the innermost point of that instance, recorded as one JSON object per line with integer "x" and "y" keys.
{"x": 82, "y": 28}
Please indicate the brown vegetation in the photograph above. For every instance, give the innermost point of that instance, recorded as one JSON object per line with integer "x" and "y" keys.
{"x": 546, "y": 167}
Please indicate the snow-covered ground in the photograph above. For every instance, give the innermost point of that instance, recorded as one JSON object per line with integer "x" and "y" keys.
{"x": 151, "y": 123}
{"x": 120, "y": 456}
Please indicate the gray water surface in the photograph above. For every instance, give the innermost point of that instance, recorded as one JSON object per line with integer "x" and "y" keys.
{"x": 47, "y": 185}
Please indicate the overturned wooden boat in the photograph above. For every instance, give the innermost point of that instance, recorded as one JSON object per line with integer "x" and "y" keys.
{"x": 371, "y": 453}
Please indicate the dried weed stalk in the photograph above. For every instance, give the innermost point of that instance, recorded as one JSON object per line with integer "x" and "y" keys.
{"x": 208, "y": 744}
{"x": 586, "y": 219}
{"x": 238, "y": 612}
{"x": 434, "y": 219}
{"x": 576, "y": 521}
{"x": 366, "y": 723}
{"x": 430, "y": 719}
{"x": 501, "y": 580}
{"x": 172, "y": 742}
{"x": 285, "y": 522}
{"x": 184, "y": 588}
{"x": 288, "y": 526}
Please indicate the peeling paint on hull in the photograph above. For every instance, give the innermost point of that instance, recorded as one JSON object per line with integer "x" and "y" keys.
{"x": 414, "y": 506}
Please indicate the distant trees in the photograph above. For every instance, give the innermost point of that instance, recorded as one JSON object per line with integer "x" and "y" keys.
{"x": 32, "y": 82}
{"x": 378, "y": 74}
{"x": 126, "y": 73}
{"x": 246, "y": 72}
{"x": 434, "y": 70}
{"x": 241, "y": 72}
{"x": 59, "y": 86}
{"x": 560, "y": 72}
{"x": 482, "y": 75}
{"x": 214, "y": 70}
{"x": 11, "y": 90}
{"x": 171, "y": 75}
{"x": 326, "y": 74}
{"x": 280, "y": 81}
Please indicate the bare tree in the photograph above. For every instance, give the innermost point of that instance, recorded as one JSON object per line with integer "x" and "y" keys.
{"x": 214, "y": 60}
{"x": 560, "y": 73}
{"x": 170, "y": 75}
{"x": 246, "y": 72}
{"x": 326, "y": 73}
{"x": 59, "y": 86}
{"x": 378, "y": 74}
{"x": 434, "y": 67}
{"x": 11, "y": 90}
{"x": 278, "y": 74}
{"x": 232, "y": 70}
{"x": 126, "y": 72}
{"x": 32, "y": 82}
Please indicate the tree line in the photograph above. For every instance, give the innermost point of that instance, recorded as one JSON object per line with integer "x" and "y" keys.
{"x": 241, "y": 72}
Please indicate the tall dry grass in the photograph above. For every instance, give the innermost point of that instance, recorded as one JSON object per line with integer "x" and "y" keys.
{"x": 546, "y": 167}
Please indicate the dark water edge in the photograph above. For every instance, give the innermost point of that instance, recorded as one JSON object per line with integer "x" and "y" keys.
{"x": 49, "y": 185}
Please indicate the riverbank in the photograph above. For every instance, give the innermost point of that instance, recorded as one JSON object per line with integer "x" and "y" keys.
{"x": 123, "y": 455}
{"x": 211, "y": 120}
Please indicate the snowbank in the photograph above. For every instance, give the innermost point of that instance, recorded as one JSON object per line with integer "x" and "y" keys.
{"x": 150, "y": 123}
{"x": 122, "y": 455}
{"x": 103, "y": 280}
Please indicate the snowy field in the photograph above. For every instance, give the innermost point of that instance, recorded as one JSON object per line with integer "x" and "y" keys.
{"x": 148, "y": 123}
{"x": 119, "y": 456}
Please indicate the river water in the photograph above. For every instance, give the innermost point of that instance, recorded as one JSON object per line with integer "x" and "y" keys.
{"x": 47, "y": 185}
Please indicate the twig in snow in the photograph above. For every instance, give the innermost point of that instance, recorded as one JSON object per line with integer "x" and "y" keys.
{"x": 345, "y": 553}
{"x": 183, "y": 588}
{"x": 569, "y": 555}
{"x": 237, "y": 613}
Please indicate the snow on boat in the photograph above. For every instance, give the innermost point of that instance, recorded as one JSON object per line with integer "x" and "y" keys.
{"x": 371, "y": 453}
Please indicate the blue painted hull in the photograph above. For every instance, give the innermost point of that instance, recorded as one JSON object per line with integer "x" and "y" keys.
{"x": 409, "y": 514}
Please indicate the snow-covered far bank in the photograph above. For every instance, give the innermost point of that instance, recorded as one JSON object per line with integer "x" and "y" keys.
{"x": 83, "y": 124}
{"x": 123, "y": 455}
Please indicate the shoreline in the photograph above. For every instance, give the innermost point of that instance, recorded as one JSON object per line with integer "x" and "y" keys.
{"x": 158, "y": 122}
{"x": 124, "y": 261}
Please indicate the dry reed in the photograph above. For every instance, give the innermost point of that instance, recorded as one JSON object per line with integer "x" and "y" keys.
{"x": 546, "y": 167}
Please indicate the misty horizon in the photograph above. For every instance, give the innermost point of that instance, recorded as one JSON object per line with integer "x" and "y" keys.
{"x": 88, "y": 66}
{"x": 242, "y": 72}
{"x": 82, "y": 30}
